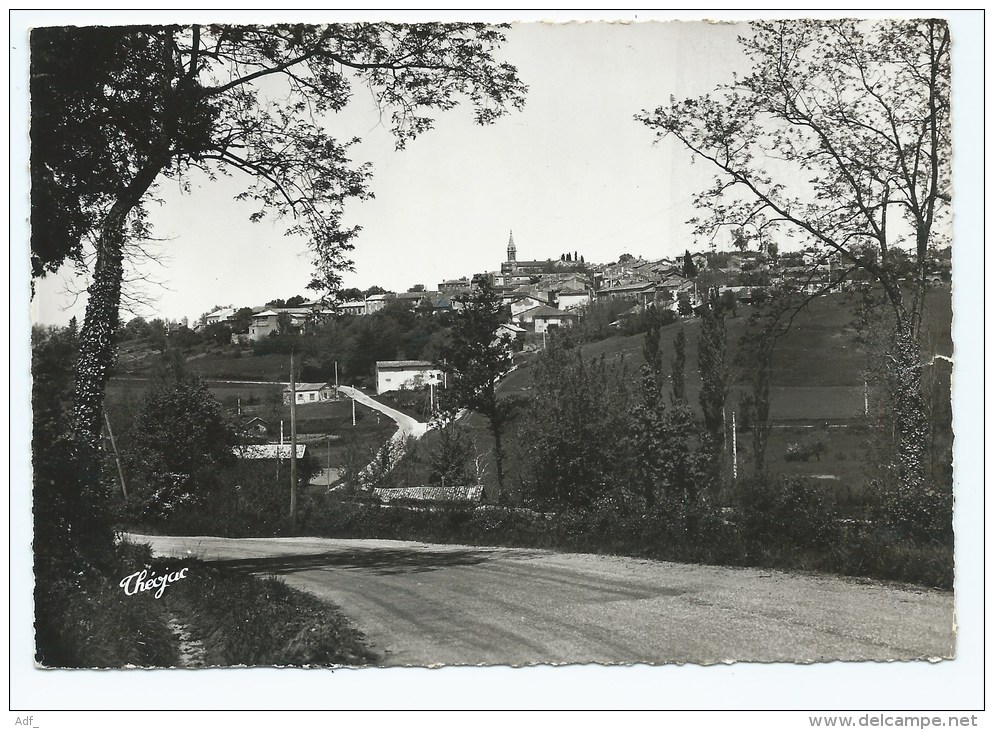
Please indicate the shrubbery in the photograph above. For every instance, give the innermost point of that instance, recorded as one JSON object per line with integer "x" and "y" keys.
{"x": 787, "y": 524}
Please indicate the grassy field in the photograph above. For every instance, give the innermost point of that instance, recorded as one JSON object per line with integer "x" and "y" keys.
{"x": 817, "y": 392}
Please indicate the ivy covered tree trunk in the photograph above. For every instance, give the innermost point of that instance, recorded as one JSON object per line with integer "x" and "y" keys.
{"x": 96, "y": 358}
{"x": 912, "y": 422}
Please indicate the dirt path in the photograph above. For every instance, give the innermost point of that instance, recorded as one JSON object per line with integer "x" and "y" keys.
{"x": 441, "y": 604}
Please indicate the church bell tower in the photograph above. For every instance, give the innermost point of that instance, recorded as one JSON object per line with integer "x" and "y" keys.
{"x": 512, "y": 251}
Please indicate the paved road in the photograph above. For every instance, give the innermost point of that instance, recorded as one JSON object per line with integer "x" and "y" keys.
{"x": 427, "y": 605}
{"x": 406, "y": 425}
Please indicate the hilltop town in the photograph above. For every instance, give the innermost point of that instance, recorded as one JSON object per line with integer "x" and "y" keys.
{"x": 544, "y": 293}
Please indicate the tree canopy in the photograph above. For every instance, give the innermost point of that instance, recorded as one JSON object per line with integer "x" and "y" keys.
{"x": 857, "y": 115}
{"x": 475, "y": 358}
{"x": 838, "y": 135}
{"x": 115, "y": 107}
{"x": 116, "y": 110}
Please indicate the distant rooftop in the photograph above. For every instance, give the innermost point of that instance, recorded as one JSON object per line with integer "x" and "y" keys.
{"x": 267, "y": 451}
{"x": 380, "y": 364}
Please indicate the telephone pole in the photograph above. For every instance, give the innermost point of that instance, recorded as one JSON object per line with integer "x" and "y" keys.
{"x": 117, "y": 459}
{"x": 735, "y": 451}
{"x": 293, "y": 445}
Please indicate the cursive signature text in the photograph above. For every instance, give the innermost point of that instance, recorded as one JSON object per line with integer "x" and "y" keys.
{"x": 141, "y": 581}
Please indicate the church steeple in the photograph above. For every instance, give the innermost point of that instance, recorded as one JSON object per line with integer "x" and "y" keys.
{"x": 512, "y": 251}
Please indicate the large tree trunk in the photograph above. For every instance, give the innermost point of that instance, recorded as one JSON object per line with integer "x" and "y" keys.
{"x": 96, "y": 357}
{"x": 912, "y": 422}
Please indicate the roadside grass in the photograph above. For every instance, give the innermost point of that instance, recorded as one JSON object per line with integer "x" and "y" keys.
{"x": 244, "y": 620}
{"x": 413, "y": 403}
{"x": 794, "y": 537}
{"x": 83, "y": 619}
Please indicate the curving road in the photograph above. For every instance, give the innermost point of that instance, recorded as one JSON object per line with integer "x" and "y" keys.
{"x": 406, "y": 425}
{"x": 426, "y": 605}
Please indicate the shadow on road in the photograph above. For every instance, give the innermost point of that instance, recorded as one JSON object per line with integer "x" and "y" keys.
{"x": 380, "y": 561}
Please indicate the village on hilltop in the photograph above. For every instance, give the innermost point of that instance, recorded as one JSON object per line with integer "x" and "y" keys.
{"x": 547, "y": 293}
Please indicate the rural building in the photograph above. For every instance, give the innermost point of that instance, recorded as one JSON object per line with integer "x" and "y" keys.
{"x": 512, "y": 334}
{"x": 266, "y": 322}
{"x": 642, "y": 292}
{"x": 455, "y": 286}
{"x": 546, "y": 317}
{"x": 351, "y": 308}
{"x": 311, "y": 393}
{"x": 376, "y": 302}
{"x": 255, "y": 425}
{"x": 523, "y": 304}
{"x": 221, "y": 315}
{"x": 417, "y": 299}
{"x": 573, "y": 299}
{"x": 263, "y": 324}
{"x": 405, "y": 375}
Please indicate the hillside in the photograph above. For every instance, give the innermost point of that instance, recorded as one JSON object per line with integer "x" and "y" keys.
{"x": 816, "y": 394}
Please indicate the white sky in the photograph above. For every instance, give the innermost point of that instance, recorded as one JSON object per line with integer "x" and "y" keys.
{"x": 571, "y": 172}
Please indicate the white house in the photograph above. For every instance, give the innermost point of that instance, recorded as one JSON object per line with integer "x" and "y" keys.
{"x": 351, "y": 308}
{"x": 262, "y": 324}
{"x": 376, "y": 302}
{"x": 546, "y": 317}
{"x": 523, "y": 304}
{"x": 267, "y": 321}
{"x": 221, "y": 315}
{"x": 405, "y": 375}
{"x": 573, "y": 299}
{"x": 310, "y": 393}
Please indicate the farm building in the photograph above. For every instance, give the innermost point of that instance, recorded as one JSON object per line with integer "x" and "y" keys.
{"x": 310, "y": 393}
{"x": 255, "y": 424}
{"x": 405, "y": 375}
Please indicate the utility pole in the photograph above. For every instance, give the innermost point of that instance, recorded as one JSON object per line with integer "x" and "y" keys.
{"x": 293, "y": 445}
{"x": 336, "y": 379}
{"x": 735, "y": 451}
{"x": 353, "y": 411}
{"x": 866, "y": 399}
{"x": 117, "y": 459}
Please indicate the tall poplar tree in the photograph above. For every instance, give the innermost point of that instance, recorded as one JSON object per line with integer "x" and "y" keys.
{"x": 839, "y": 134}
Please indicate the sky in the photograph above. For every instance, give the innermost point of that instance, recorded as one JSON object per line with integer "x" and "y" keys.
{"x": 572, "y": 171}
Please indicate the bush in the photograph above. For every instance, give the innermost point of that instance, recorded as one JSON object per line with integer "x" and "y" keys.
{"x": 783, "y": 516}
